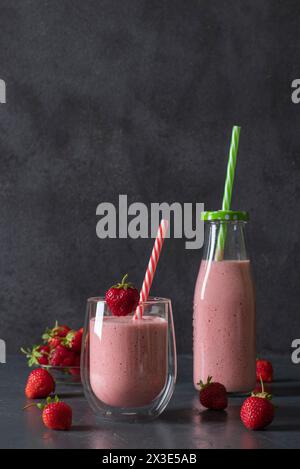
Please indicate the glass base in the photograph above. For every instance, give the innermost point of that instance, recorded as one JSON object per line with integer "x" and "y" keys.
{"x": 134, "y": 414}
{"x": 126, "y": 417}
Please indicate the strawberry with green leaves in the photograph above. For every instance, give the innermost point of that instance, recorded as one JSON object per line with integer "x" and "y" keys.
{"x": 56, "y": 415}
{"x": 73, "y": 340}
{"x": 213, "y": 395}
{"x": 257, "y": 411}
{"x": 38, "y": 355}
{"x": 122, "y": 298}
{"x": 54, "y": 336}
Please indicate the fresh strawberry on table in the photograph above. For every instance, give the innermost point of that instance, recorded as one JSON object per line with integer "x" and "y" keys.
{"x": 39, "y": 384}
{"x": 73, "y": 340}
{"x": 122, "y": 298}
{"x": 213, "y": 395}
{"x": 257, "y": 411}
{"x": 264, "y": 370}
{"x": 57, "y": 415}
{"x": 38, "y": 355}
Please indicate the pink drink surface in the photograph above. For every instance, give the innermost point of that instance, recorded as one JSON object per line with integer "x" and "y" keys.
{"x": 224, "y": 325}
{"x": 128, "y": 364}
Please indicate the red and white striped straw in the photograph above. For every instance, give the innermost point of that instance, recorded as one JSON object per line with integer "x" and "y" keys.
{"x": 153, "y": 261}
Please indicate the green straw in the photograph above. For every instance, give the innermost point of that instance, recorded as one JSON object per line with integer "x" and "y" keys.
{"x": 234, "y": 145}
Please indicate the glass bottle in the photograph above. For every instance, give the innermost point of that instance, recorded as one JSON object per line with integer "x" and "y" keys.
{"x": 224, "y": 305}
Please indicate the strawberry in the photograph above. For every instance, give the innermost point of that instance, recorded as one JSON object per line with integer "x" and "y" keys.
{"x": 122, "y": 298}
{"x": 57, "y": 415}
{"x": 53, "y": 342}
{"x": 73, "y": 340}
{"x": 55, "y": 333}
{"x": 264, "y": 369}
{"x": 76, "y": 371}
{"x": 213, "y": 395}
{"x": 38, "y": 355}
{"x": 61, "y": 356}
{"x": 257, "y": 411}
{"x": 39, "y": 384}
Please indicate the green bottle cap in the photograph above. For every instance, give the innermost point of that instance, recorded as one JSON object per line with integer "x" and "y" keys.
{"x": 225, "y": 215}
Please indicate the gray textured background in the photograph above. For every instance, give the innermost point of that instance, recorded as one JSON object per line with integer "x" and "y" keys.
{"x": 138, "y": 97}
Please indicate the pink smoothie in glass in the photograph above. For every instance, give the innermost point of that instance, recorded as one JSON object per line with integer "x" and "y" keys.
{"x": 128, "y": 362}
{"x": 224, "y": 325}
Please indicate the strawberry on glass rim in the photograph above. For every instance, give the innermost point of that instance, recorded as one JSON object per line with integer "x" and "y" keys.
{"x": 122, "y": 298}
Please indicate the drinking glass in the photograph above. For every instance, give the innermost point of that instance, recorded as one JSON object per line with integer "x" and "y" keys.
{"x": 128, "y": 365}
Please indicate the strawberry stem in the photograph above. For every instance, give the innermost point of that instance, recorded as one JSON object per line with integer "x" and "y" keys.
{"x": 40, "y": 405}
{"x": 124, "y": 284}
{"x": 29, "y": 405}
{"x": 124, "y": 279}
{"x": 262, "y": 384}
{"x": 263, "y": 394}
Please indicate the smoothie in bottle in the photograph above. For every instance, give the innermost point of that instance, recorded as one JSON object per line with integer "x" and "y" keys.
{"x": 224, "y": 308}
{"x": 224, "y": 298}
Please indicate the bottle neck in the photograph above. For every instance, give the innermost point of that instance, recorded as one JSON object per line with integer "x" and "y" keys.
{"x": 225, "y": 240}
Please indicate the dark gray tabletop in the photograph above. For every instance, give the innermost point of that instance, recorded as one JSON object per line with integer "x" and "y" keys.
{"x": 184, "y": 424}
